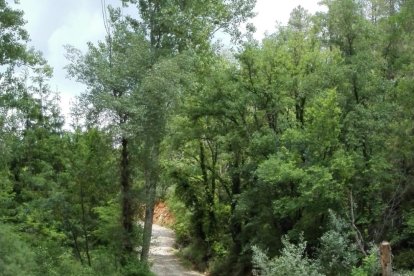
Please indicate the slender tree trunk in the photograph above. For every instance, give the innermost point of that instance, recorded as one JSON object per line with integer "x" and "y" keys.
{"x": 85, "y": 231}
{"x": 213, "y": 189}
{"x": 209, "y": 191}
{"x": 149, "y": 216}
{"x": 151, "y": 163}
{"x": 75, "y": 242}
{"x": 235, "y": 224}
{"x": 151, "y": 179}
{"x": 127, "y": 208}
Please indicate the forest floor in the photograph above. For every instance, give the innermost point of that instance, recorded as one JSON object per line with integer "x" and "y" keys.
{"x": 163, "y": 254}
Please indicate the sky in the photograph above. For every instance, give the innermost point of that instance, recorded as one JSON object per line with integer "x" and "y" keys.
{"x": 55, "y": 23}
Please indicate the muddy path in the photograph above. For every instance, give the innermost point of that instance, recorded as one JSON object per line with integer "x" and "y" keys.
{"x": 163, "y": 254}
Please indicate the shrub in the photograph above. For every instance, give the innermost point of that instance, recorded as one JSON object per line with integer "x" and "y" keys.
{"x": 405, "y": 259}
{"x": 292, "y": 261}
{"x": 337, "y": 253}
{"x": 370, "y": 264}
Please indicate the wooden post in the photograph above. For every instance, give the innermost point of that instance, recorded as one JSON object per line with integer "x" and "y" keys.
{"x": 385, "y": 252}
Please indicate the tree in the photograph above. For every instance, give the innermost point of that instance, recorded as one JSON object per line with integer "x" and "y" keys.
{"x": 173, "y": 27}
{"x": 55, "y": 185}
{"x": 209, "y": 137}
{"x": 13, "y": 52}
{"x": 13, "y": 37}
{"x": 113, "y": 71}
{"x": 86, "y": 186}
{"x": 16, "y": 256}
{"x": 131, "y": 95}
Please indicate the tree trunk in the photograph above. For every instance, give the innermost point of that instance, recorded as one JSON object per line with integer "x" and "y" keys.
{"x": 386, "y": 265}
{"x": 151, "y": 179}
{"x": 75, "y": 242}
{"x": 209, "y": 192}
{"x": 127, "y": 208}
{"x": 235, "y": 224}
{"x": 84, "y": 228}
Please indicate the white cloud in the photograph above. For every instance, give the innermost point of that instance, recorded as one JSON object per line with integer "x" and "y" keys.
{"x": 53, "y": 24}
{"x": 269, "y": 12}
{"x": 79, "y": 27}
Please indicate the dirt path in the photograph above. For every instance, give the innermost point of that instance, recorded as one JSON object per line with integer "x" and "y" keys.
{"x": 162, "y": 254}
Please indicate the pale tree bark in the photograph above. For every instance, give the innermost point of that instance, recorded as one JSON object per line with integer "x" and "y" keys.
{"x": 358, "y": 236}
{"x": 151, "y": 179}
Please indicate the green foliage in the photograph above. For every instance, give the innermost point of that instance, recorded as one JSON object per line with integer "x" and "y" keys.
{"x": 404, "y": 259}
{"x": 196, "y": 254}
{"x": 135, "y": 268}
{"x": 182, "y": 224}
{"x": 54, "y": 260}
{"x": 108, "y": 231}
{"x": 292, "y": 261}
{"x": 55, "y": 184}
{"x": 370, "y": 265}
{"x": 12, "y": 36}
{"x": 6, "y": 194}
{"x": 257, "y": 145}
{"x": 16, "y": 256}
{"x": 176, "y": 26}
{"x": 296, "y": 125}
{"x": 337, "y": 253}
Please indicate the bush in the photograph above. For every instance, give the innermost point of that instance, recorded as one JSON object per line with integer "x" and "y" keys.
{"x": 337, "y": 253}
{"x": 135, "y": 268}
{"x": 405, "y": 259}
{"x": 196, "y": 254}
{"x": 182, "y": 215}
{"x": 370, "y": 264}
{"x": 403, "y": 273}
{"x": 54, "y": 259}
{"x": 292, "y": 261}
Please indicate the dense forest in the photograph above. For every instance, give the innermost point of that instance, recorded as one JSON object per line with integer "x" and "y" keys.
{"x": 293, "y": 155}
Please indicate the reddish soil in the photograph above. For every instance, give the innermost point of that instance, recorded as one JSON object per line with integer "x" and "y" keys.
{"x": 163, "y": 216}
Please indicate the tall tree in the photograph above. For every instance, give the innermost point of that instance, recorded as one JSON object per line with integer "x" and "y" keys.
{"x": 130, "y": 94}
{"x": 173, "y": 27}
{"x": 113, "y": 71}
{"x": 13, "y": 36}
